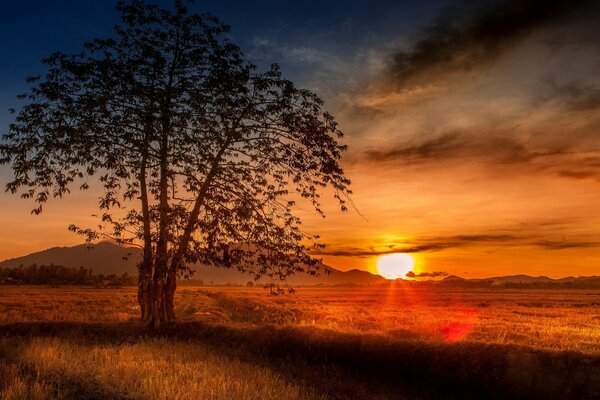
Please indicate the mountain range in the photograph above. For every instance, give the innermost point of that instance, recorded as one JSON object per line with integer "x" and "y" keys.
{"x": 587, "y": 282}
{"x": 109, "y": 258}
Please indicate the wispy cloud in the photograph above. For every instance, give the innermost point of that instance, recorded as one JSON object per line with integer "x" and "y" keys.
{"x": 436, "y": 244}
{"x": 561, "y": 159}
{"x": 370, "y": 252}
{"x": 577, "y": 96}
{"x": 502, "y": 149}
{"x": 565, "y": 244}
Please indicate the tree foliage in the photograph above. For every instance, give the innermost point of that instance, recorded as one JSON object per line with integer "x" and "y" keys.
{"x": 201, "y": 157}
{"x": 59, "y": 275}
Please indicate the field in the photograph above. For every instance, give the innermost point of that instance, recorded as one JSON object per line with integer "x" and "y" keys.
{"x": 321, "y": 343}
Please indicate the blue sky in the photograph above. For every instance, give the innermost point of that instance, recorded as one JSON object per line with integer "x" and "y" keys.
{"x": 31, "y": 30}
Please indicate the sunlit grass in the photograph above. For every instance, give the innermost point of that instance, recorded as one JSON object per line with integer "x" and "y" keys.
{"x": 430, "y": 328}
{"x": 552, "y": 320}
{"x": 153, "y": 369}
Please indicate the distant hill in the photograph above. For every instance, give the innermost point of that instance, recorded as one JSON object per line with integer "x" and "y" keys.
{"x": 524, "y": 281}
{"x": 453, "y": 278}
{"x": 108, "y": 258}
{"x": 520, "y": 279}
{"x": 103, "y": 258}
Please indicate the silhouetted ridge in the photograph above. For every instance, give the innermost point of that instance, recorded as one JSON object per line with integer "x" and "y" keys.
{"x": 109, "y": 258}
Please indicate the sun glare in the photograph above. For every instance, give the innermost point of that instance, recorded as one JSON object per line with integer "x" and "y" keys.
{"x": 394, "y": 266}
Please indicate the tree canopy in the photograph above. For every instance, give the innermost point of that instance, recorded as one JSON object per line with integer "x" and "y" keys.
{"x": 201, "y": 157}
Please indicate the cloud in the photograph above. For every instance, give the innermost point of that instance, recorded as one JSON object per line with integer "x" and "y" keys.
{"x": 561, "y": 156}
{"x": 453, "y": 145}
{"x": 466, "y": 38}
{"x": 580, "y": 174}
{"x": 418, "y": 246}
{"x": 577, "y": 96}
{"x": 260, "y": 41}
{"x": 535, "y": 108}
{"x": 441, "y": 146}
{"x": 486, "y": 238}
{"x": 564, "y": 244}
{"x": 436, "y": 244}
{"x": 435, "y": 274}
{"x": 370, "y": 252}
{"x": 579, "y": 166}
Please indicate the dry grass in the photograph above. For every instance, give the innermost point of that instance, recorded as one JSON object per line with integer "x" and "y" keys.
{"x": 321, "y": 343}
{"x": 566, "y": 320}
{"x": 150, "y": 369}
{"x": 542, "y": 319}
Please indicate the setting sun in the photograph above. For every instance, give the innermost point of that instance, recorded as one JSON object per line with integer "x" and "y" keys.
{"x": 394, "y": 266}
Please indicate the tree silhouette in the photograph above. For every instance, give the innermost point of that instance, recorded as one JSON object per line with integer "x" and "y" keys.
{"x": 201, "y": 158}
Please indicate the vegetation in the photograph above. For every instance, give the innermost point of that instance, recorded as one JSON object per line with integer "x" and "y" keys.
{"x": 59, "y": 275}
{"x": 201, "y": 157}
{"x": 322, "y": 343}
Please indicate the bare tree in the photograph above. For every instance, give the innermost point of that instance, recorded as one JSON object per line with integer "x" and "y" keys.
{"x": 201, "y": 157}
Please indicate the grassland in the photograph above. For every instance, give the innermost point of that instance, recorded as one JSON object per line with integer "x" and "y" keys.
{"x": 321, "y": 343}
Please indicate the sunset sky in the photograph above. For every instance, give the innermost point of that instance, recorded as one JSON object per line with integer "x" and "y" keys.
{"x": 473, "y": 127}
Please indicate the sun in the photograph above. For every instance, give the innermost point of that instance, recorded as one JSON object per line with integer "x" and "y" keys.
{"x": 394, "y": 266}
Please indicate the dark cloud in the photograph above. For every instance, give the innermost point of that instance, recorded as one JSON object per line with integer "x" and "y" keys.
{"x": 580, "y": 174}
{"x": 435, "y": 274}
{"x": 587, "y": 167}
{"x": 360, "y": 252}
{"x": 466, "y": 38}
{"x": 564, "y": 244}
{"x": 435, "y": 244}
{"x": 578, "y": 97}
{"x": 441, "y": 146}
{"x": 486, "y": 238}
{"x": 493, "y": 149}
{"x": 419, "y": 246}
{"x": 457, "y": 145}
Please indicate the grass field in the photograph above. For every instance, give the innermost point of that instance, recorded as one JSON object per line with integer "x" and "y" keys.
{"x": 321, "y": 343}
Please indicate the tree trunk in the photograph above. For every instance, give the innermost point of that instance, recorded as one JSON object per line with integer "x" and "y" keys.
{"x": 171, "y": 286}
{"x": 161, "y": 265}
{"x": 159, "y": 315}
{"x": 164, "y": 279}
{"x": 145, "y": 290}
{"x": 145, "y": 283}
{"x": 156, "y": 296}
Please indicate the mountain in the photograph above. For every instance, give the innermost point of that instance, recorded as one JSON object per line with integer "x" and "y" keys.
{"x": 103, "y": 258}
{"x": 452, "y": 278}
{"x": 108, "y": 258}
{"x": 523, "y": 281}
{"x": 519, "y": 279}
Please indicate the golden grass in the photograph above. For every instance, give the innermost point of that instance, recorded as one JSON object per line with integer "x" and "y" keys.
{"x": 543, "y": 319}
{"x": 78, "y": 342}
{"x": 152, "y": 369}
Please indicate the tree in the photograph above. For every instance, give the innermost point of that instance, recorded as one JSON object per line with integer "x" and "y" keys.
{"x": 201, "y": 158}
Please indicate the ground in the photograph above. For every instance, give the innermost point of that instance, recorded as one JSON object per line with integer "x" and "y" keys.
{"x": 320, "y": 343}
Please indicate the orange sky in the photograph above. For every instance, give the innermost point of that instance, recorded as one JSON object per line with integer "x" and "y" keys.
{"x": 483, "y": 162}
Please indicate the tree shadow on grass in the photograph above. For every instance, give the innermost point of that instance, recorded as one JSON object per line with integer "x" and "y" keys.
{"x": 359, "y": 366}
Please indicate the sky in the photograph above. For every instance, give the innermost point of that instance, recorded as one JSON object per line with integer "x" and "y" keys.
{"x": 473, "y": 127}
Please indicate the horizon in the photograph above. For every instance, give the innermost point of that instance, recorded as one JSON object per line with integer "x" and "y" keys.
{"x": 425, "y": 278}
{"x": 475, "y": 151}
